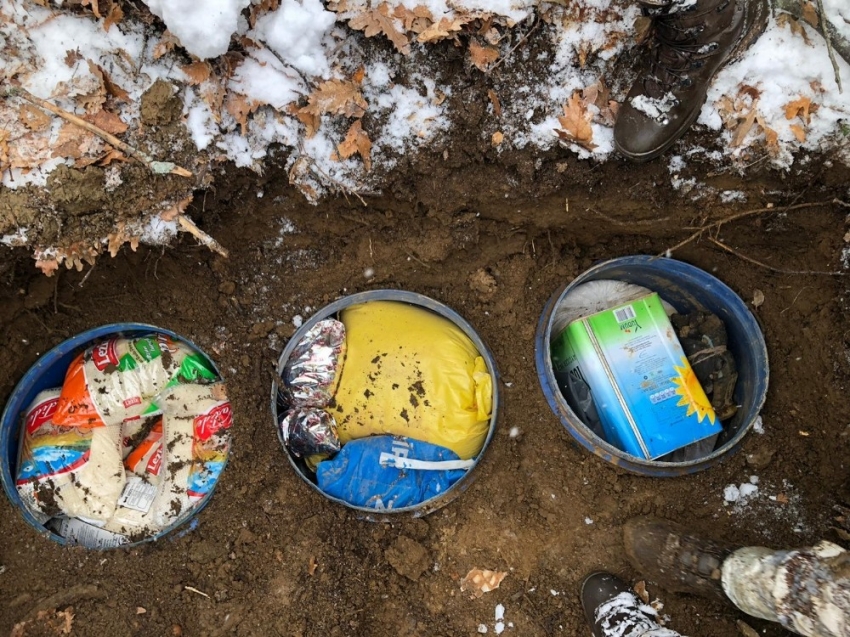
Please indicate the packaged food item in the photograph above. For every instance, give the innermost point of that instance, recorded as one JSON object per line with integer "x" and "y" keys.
{"x": 312, "y": 371}
{"x": 193, "y": 441}
{"x": 390, "y": 472}
{"x": 411, "y": 372}
{"x": 628, "y": 362}
{"x": 76, "y": 472}
{"x": 85, "y": 533}
{"x": 309, "y": 431}
{"x": 117, "y": 380}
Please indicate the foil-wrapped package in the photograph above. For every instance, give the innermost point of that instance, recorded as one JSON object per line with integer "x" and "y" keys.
{"x": 309, "y": 431}
{"x": 311, "y": 374}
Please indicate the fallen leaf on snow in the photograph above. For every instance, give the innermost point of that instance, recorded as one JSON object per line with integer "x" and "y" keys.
{"x": 576, "y": 123}
{"x": 197, "y": 72}
{"x": 640, "y": 589}
{"x": 107, "y": 121}
{"x": 339, "y": 97}
{"x": 356, "y": 141}
{"x": 799, "y": 133}
{"x": 479, "y": 581}
{"x": 239, "y": 107}
{"x": 494, "y": 100}
{"x": 417, "y": 19}
{"x": 744, "y": 127}
{"x": 482, "y": 56}
{"x": 379, "y": 21}
{"x": 166, "y": 44}
{"x": 799, "y": 107}
{"x": 115, "y": 15}
{"x": 441, "y": 30}
{"x": 810, "y": 14}
{"x": 176, "y": 210}
{"x": 34, "y": 118}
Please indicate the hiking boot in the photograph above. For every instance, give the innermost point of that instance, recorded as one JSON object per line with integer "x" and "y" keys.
{"x": 613, "y": 610}
{"x": 691, "y": 40}
{"x": 667, "y": 554}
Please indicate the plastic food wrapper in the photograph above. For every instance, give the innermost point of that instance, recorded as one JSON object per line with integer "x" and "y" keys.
{"x": 117, "y": 380}
{"x": 312, "y": 372}
{"x": 595, "y": 296}
{"x": 184, "y": 460}
{"x": 309, "y": 431}
{"x": 411, "y": 372}
{"x": 75, "y": 471}
{"x": 390, "y": 472}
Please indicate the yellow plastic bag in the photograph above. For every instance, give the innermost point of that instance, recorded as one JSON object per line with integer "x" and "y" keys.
{"x": 411, "y": 372}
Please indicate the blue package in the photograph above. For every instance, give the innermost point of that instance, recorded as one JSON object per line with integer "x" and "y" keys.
{"x": 390, "y": 472}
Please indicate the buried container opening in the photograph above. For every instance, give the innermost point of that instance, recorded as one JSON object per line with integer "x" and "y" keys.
{"x": 283, "y": 404}
{"x": 688, "y": 289}
{"x": 49, "y": 372}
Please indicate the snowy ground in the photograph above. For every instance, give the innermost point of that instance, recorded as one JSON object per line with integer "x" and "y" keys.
{"x": 287, "y": 72}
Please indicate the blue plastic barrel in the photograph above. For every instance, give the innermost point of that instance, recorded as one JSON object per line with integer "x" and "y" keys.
{"x": 49, "y": 372}
{"x": 687, "y": 288}
{"x": 331, "y": 311}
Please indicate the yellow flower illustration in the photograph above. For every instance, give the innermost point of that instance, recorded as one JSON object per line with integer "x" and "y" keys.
{"x": 692, "y": 393}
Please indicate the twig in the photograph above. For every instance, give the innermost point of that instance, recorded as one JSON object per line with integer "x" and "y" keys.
{"x": 828, "y": 39}
{"x": 741, "y": 215}
{"x": 705, "y": 354}
{"x": 192, "y": 589}
{"x": 638, "y": 222}
{"x": 516, "y": 46}
{"x": 770, "y": 267}
{"x": 187, "y": 225}
{"x": 157, "y": 167}
{"x": 843, "y": 204}
{"x": 417, "y": 259}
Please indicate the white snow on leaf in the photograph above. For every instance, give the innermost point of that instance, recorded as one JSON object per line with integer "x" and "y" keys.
{"x": 203, "y": 27}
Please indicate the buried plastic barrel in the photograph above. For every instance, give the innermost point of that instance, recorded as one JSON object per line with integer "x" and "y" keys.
{"x": 48, "y": 372}
{"x": 687, "y": 288}
{"x": 412, "y": 298}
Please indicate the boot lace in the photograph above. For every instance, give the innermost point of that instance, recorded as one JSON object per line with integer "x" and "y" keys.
{"x": 677, "y": 49}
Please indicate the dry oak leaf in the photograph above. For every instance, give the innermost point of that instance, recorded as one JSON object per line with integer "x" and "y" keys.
{"x": 494, "y": 100}
{"x": 378, "y": 21}
{"x": 72, "y": 56}
{"x": 744, "y": 127}
{"x": 34, "y": 118}
{"x": 197, "y": 72}
{"x": 441, "y": 30}
{"x": 357, "y": 141}
{"x": 213, "y": 94}
{"x": 799, "y": 107}
{"x": 799, "y": 133}
{"x": 480, "y": 581}
{"x": 113, "y": 154}
{"x": 576, "y": 123}
{"x": 93, "y": 4}
{"x": 810, "y": 14}
{"x": 339, "y": 97}
{"x": 240, "y": 108}
{"x": 785, "y": 19}
{"x": 166, "y": 44}
{"x": 115, "y": 240}
{"x": 171, "y": 213}
{"x": 107, "y": 121}
{"x": 482, "y": 56}
{"x": 417, "y": 20}
{"x": 258, "y": 9}
{"x": 115, "y": 15}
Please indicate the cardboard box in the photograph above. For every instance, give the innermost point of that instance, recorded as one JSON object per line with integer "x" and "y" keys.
{"x": 625, "y": 374}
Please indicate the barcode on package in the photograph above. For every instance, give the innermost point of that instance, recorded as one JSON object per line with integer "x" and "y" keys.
{"x": 626, "y": 313}
{"x": 137, "y": 495}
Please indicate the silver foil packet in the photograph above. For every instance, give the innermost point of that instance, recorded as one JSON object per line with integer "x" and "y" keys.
{"x": 311, "y": 375}
{"x": 309, "y": 431}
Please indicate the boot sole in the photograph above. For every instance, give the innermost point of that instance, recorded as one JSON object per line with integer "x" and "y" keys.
{"x": 755, "y": 21}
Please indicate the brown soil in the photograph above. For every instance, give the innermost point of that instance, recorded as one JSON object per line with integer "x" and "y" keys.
{"x": 271, "y": 557}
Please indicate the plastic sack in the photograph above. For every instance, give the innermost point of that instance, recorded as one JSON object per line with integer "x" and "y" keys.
{"x": 358, "y": 476}
{"x": 118, "y": 379}
{"x": 596, "y": 296}
{"x": 76, "y": 471}
{"x": 312, "y": 372}
{"x": 411, "y": 372}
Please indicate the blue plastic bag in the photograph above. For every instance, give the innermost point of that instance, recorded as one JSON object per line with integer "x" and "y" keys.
{"x": 390, "y": 472}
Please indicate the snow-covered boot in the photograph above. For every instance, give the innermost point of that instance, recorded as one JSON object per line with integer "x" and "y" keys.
{"x": 613, "y": 610}
{"x": 690, "y": 41}
{"x": 676, "y": 560}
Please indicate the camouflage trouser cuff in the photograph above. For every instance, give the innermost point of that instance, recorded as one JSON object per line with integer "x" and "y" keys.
{"x": 806, "y": 590}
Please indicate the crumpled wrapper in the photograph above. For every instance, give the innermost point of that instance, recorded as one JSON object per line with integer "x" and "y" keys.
{"x": 311, "y": 375}
{"x": 310, "y": 431}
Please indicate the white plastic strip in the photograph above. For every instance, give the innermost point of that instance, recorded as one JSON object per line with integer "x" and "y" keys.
{"x": 389, "y": 460}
